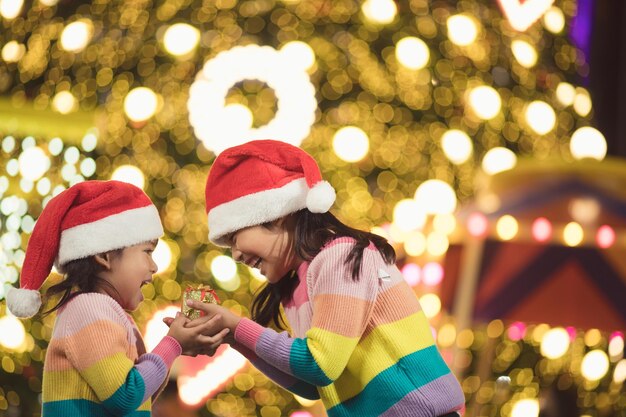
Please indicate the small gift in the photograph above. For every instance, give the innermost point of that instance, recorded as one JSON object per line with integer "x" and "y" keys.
{"x": 203, "y": 293}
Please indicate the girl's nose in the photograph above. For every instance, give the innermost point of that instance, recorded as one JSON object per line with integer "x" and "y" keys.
{"x": 153, "y": 266}
{"x": 237, "y": 254}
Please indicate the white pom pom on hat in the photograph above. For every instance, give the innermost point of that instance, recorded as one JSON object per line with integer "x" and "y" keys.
{"x": 23, "y": 302}
{"x": 261, "y": 181}
{"x": 321, "y": 197}
{"x": 88, "y": 218}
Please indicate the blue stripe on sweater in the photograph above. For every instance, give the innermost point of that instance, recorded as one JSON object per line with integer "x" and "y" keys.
{"x": 304, "y": 365}
{"x": 83, "y": 408}
{"x": 129, "y": 396}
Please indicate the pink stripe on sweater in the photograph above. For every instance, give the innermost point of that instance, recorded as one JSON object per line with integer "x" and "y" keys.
{"x": 168, "y": 349}
{"x": 248, "y": 333}
{"x": 300, "y": 294}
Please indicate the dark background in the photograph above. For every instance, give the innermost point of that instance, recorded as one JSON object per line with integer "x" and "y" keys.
{"x": 607, "y": 71}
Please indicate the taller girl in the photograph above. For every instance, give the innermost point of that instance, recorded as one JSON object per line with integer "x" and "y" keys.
{"x": 359, "y": 337}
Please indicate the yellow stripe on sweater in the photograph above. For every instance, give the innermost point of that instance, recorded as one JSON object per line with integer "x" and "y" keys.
{"x": 111, "y": 371}
{"x": 66, "y": 385}
{"x": 331, "y": 351}
{"x": 69, "y": 385}
{"x": 382, "y": 348}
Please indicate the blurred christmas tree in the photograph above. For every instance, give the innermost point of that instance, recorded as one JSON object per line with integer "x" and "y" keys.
{"x": 386, "y": 95}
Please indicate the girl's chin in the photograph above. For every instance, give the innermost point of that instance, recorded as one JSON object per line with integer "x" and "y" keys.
{"x": 132, "y": 305}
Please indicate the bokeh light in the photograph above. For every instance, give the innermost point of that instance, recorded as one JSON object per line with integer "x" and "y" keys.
{"x": 156, "y": 329}
{"x": 432, "y": 274}
{"x": 457, "y": 146}
{"x": 555, "y": 343}
{"x": 299, "y": 54}
{"x": 411, "y": 273}
{"x": 140, "y": 104}
{"x": 565, "y": 93}
{"x": 130, "y": 174}
{"x": 507, "y": 227}
{"x": 554, "y": 20}
{"x": 462, "y": 29}
{"x": 10, "y": 9}
{"x": 437, "y": 243}
{"x": 444, "y": 223}
{"x": 12, "y": 333}
{"x": 13, "y": 51}
{"x": 224, "y": 269}
{"x": 582, "y": 102}
{"x": 180, "y": 39}
{"x": 616, "y": 346}
{"x": 33, "y": 163}
{"x": 540, "y": 117}
{"x": 64, "y": 102}
{"x": 76, "y": 36}
{"x": 477, "y": 224}
{"x": 412, "y": 52}
{"x": 587, "y": 142}
{"x": 415, "y": 243}
{"x": 431, "y": 305}
{"x": 379, "y": 11}
{"x": 162, "y": 255}
{"x": 605, "y": 236}
{"x": 573, "y": 234}
{"x": 498, "y": 159}
{"x": 595, "y": 365}
{"x": 436, "y": 197}
{"x": 485, "y": 102}
{"x": 619, "y": 375}
{"x": 542, "y": 229}
{"x": 350, "y": 143}
{"x": 524, "y": 53}
{"x": 526, "y": 408}
{"x": 408, "y": 215}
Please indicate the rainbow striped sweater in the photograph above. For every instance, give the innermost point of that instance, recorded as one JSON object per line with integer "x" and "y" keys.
{"x": 96, "y": 363}
{"x": 364, "y": 346}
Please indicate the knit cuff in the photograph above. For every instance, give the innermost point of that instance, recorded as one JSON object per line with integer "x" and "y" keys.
{"x": 168, "y": 349}
{"x": 248, "y": 333}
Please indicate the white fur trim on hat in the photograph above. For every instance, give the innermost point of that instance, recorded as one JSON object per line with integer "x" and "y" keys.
{"x": 257, "y": 208}
{"x": 321, "y": 197}
{"x": 121, "y": 230}
{"x": 22, "y": 302}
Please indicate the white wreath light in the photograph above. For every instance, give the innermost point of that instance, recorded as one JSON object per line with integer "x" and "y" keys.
{"x": 219, "y": 126}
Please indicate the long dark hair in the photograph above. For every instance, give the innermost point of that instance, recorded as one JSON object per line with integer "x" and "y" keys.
{"x": 312, "y": 231}
{"x": 80, "y": 276}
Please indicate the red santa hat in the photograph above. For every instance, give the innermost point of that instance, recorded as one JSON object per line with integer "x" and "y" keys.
{"x": 261, "y": 181}
{"x": 89, "y": 218}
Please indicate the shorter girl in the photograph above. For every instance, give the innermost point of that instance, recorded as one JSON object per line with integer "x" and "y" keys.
{"x": 101, "y": 235}
{"x": 360, "y": 339}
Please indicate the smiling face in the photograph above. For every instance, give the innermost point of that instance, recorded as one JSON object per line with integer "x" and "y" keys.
{"x": 267, "y": 248}
{"x": 128, "y": 272}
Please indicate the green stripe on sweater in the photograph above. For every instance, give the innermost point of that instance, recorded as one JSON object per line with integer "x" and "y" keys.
{"x": 390, "y": 386}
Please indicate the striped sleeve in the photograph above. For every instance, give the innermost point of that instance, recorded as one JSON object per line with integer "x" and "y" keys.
{"x": 341, "y": 310}
{"x": 96, "y": 342}
{"x": 289, "y": 382}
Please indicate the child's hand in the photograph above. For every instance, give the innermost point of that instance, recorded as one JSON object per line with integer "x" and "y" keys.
{"x": 229, "y": 319}
{"x": 202, "y": 338}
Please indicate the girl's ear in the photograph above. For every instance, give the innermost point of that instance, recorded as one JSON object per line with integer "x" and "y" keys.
{"x": 104, "y": 259}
